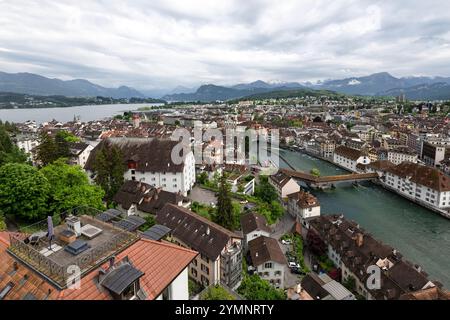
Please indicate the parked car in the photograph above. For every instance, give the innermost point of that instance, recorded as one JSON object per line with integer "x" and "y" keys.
{"x": 294, "y": 265}
{"x": 297, "y": 271}
{"x": 287, "y": 242}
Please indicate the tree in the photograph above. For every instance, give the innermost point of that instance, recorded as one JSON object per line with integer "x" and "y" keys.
{"x": 265, "y": 191}
{"x": 109, "y": 169}
{"x": 149, "y": 222}
{"x": 2, "y": 222}
{"x": 217, "y": 293}
{"x": 202, "y": 178}
{"x": 315, "y": 172}
{"x": 315, "y": 243}
{"x": 70, "y": 187}
{"x": 24, "y": 191}
{"x": 67, "y": 136}
{"x": 9, "y": 152}
{"x": 62, "y": 145}
{"x": 255, "y": 288}
{"x": 224, "y": 214}
{"x": 46, "y": 151}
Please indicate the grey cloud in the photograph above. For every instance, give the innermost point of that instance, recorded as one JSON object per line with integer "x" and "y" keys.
{"x": 161, "y": 44}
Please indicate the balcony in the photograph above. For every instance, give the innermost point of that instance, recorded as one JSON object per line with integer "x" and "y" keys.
{"x": 56, "y": 260}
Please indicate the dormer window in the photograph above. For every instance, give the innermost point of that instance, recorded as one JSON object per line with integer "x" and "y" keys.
{"x": 130, "y": 293}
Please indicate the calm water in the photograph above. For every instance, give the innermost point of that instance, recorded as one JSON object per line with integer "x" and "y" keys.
{"x": 86, "y": 113}
{"x": 422, "y": 236}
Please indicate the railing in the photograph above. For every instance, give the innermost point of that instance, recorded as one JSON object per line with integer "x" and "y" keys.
{"x": 57, "y": 272}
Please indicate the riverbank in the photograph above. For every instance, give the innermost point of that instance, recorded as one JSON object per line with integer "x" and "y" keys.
{"x": 420, "y": 236}
{"x": 442, "y": 213}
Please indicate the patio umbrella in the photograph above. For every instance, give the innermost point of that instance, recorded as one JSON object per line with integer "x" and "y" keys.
{"x": 50, "y": 231}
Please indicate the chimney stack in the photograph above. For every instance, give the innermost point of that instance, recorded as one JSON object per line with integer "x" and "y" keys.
{"x": 111, "y": 261}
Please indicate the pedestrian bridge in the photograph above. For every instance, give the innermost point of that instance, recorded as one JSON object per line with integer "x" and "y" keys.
{"x": 328, "y": 181}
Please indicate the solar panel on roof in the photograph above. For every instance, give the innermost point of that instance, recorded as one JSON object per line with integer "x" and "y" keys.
{"x": 157, "y": 232}
{"x": 131, "y": 223}
{"x": 121, "y": 278}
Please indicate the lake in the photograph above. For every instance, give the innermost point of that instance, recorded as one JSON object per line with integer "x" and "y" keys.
{"x": 85, "y": 113}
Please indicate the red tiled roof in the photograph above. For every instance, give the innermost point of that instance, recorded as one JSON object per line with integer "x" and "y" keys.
{"x": 161, "y": 263}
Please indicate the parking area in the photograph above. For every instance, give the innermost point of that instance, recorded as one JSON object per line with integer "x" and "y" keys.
{"x": 202, "y": 196}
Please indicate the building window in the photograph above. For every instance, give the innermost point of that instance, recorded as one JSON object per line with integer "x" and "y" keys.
{"x": 205, "y": 281}
{"x": 205, "y": 269}
{"x": 194, "y": 272}
{"x": 204, "y": 258}
{"x": 268, "y": 265}
{"x": 130, "y": 292}
{"x": 133, "y": 171}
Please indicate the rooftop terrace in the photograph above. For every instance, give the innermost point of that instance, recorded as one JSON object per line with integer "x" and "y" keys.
{"x": 87, "y": 245}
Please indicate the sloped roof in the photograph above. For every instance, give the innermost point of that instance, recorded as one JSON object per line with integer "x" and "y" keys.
{"x": 254, "y": 221}
{"x": 264, "y": 249}
{"x": 160, "y": 262}
{"x": 150, "y": 155}
{"x": 423, "y": 175}
{"x": 348, "y": 153}
{"x": 195, "y": 231}
{"x": 304, "y": 199}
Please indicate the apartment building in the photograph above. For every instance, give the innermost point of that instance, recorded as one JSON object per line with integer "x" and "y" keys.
{"x": 303, "y": 206}
{"x": 268, "y": 260}
{"x": 254, "y": 225}
{"x": 220, "y": 259}
{"x": 135, "y": 268}
{"x": 349, "y": 158}
{"x": 150, "y": 161}
{"x": 353, "y": 250}
{"x": 284, "y": 184}
{"x": 139, "y": 198}
{"x": 402, "y": 154}
{"x": 424, "y": 185}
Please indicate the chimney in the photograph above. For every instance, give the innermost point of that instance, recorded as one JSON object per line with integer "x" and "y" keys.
{"x": 74, "y": 225}
{"x": 111, "y": 261}
{"x": 359, "y": 239}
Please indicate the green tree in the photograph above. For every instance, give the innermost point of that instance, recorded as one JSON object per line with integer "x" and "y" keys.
{"x": 109, "y": 169}
{"x": 2, "y": 222}
{"x": 216, "y": 293}
{"x": 224, "y": 214}
{"x": 255, "y": 288}
{"x": 202, "y": 178}
{"x": 9, "y": 152}
{"x": 24, "y": 191}
{"x": 47, "y": 150}
{"x": 265, "y": 191}
{"x": 315, "y": 172}
{"x": 149, "y": 222}
{"x": 62, "y": 145}
{"x": 70, "y": 187}
{"x": 67, "y": 136}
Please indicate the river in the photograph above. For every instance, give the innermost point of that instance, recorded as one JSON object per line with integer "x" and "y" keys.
{"x": 422, "y": 236}
{"x": 86, "y": 113}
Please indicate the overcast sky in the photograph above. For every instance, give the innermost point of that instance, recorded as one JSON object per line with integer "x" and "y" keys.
{"x": 161, "y": 44}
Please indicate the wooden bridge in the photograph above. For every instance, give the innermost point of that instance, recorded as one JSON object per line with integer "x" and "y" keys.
{"x": 328, "y": 181}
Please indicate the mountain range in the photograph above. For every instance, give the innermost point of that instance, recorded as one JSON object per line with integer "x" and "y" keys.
{"x": 378, "y": 84}
{"x": 33, "y": 84}
{"x": 383, "y": 83}
{"x": 210, "y": 92}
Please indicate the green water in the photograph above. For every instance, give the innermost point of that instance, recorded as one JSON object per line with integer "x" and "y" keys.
{"x": 422, "y": 236}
